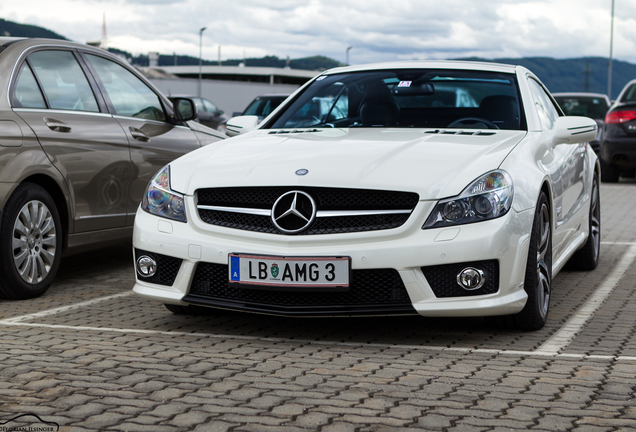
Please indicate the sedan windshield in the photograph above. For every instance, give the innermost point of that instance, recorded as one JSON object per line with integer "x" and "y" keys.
{"x": 407, "y": 99}
{"x": 263, "y": 106}
{"x": 587, "y": 106}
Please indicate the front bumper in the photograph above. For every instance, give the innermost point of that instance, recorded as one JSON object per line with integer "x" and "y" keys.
{"x": 389, "y": 268}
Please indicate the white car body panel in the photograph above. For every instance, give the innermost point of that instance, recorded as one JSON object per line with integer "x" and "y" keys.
{"x": 434, "y": 166}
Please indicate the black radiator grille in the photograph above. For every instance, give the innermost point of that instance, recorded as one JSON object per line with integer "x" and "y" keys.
{"x": 327, "y": 199}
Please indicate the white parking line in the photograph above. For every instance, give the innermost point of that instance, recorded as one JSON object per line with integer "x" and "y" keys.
{"x": 566, "y": 334}
{"x": 551, "y": 348}
{"x": 323, "y": 343}
{"x": 18, "y": 319}
{"x": 618, "y": 243}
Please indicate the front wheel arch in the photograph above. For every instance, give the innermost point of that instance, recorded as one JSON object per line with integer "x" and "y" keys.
{"x": 59, "y": 197}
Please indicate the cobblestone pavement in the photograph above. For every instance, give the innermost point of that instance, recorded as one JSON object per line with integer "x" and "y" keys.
{"x": 89, "y": 355}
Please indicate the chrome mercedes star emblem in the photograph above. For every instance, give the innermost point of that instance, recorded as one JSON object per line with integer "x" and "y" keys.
{"x": 293, "y": 212}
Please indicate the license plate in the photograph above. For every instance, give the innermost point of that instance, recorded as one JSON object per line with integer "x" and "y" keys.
{"x": 267, "y": 272}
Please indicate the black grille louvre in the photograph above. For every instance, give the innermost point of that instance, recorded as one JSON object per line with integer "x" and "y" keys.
{"x": 242, "y": 221}
{"x": 333, "y": 225}
{"x": 443, "y": 278}
{"x": 167, "y": 268}
{"x": 326, "y": 198}
{"x": 328, "y": 225}
{"x": 377, "y": 291}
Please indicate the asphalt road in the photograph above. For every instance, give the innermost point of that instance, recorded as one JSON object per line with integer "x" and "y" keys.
{"x": 90, "y": 355}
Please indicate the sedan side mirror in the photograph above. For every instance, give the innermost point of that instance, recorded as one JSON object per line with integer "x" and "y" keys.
{"x": 185, "y": 109}
{"x": 240, "y": 125}
{"x": 574, "y": 130}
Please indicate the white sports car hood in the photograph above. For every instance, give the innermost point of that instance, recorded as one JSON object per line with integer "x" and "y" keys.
{"x": 434, "y": 165}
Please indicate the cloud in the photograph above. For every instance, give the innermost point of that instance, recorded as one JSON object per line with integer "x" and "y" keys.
{"x": 377, "y": 30}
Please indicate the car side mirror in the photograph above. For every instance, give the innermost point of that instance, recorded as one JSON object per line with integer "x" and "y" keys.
{"x": 241, "y": 125}
{"x": 574, "y": 130}
{"x": 184, "y": 109}
{"x": 221, "y": 112}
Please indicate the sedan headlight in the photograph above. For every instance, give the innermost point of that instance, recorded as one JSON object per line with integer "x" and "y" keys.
{"x": 160, "y": 200}
{"x": 486, "y": 198}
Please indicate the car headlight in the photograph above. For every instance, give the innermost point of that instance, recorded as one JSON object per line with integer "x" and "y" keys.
{"x": 160, "y": 200}
{"x": 486, "y": 198}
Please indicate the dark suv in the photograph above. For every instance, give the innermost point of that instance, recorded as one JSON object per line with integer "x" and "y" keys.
{"x": 618, "y": 137}
{"x": 81, "y": 134}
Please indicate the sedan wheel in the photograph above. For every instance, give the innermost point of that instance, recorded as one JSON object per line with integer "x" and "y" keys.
{"x": 31, "y": 249}
{"x": 538, "y": 280}
{"x": 34, "y": 242}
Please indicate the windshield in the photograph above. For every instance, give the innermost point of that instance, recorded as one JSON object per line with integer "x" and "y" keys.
{"x": 407, "y": 99}
{"x": 587, "y": 106}
{"x": 263, "y": 106}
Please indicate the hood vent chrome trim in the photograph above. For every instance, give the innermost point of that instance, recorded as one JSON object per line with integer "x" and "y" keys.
{"x": 292, "y": 131}
{"x": 459, "y": 132}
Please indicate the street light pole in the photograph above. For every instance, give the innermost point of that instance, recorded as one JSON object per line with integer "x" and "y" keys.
{"x": 200, "y": 55}
{"x": 349, "y": 48}
{"x": 609, "y": 68}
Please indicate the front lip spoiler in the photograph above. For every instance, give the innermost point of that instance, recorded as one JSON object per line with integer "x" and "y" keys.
{"x": 302, "y": 311}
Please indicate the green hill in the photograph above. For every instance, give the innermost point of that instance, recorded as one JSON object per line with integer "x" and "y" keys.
{"x": 10, "y": 28}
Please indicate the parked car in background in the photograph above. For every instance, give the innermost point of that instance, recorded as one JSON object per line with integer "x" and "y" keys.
{"x": 261, "y": 106}
{"x": 372, "y": 192}
{"x": 207, "y": 113}
{"x": 592, "y": 105}
{"x": 81, "y": 134}
{"x": 618, "y": 137}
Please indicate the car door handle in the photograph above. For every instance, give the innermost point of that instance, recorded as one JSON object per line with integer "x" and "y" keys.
{"x": 56, "y": 125}
{"x": 138, "y": 134}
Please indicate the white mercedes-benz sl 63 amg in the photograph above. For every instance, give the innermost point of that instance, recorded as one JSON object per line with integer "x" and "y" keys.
{"x": 436, "y": 188}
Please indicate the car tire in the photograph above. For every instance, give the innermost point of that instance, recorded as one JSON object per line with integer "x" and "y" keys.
{"x": 587, "y": 257}
{"x": 31, "y": 246}
{"x": 538, "y": 278}
{"x": 609, "y": 172}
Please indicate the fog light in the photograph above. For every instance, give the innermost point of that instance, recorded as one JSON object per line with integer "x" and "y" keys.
{"x": 471, "y": 279}
{"x": 146, "y": 266}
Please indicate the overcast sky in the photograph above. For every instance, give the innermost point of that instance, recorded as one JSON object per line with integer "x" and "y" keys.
{"x": 377, "y": 30}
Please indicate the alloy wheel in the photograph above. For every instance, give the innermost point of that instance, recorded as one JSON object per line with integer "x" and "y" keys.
{"x": 34, "y": 242}
{"x": 543, "y": 262}
{"x": 595, "y": 220}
